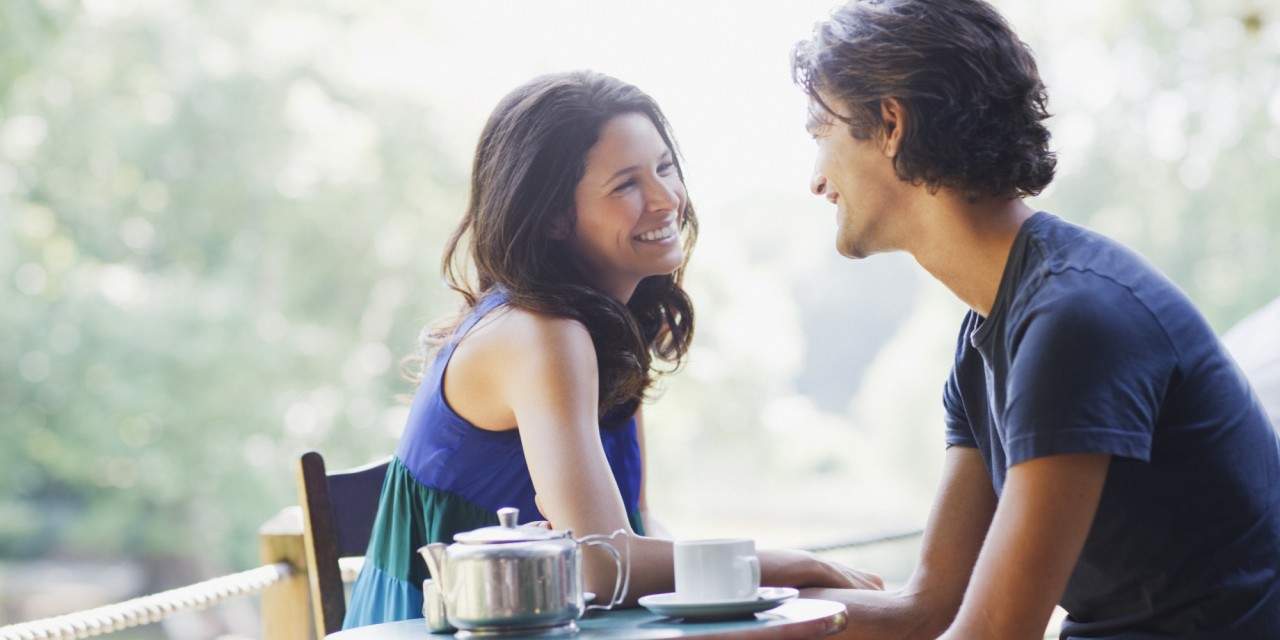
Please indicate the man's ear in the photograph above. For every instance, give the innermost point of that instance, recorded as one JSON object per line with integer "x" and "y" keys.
{"x": 894, "y": 118}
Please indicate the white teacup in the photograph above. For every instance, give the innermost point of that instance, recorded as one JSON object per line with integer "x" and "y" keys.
{"x": 716, "y": 570}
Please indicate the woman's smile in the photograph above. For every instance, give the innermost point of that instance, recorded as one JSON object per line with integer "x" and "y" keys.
{"x": 665, "y": 234}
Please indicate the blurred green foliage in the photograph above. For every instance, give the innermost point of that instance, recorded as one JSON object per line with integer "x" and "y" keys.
{"x": 193, "y": 294}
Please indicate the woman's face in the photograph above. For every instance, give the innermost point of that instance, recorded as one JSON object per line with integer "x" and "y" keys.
{"x": 627, "y": 207}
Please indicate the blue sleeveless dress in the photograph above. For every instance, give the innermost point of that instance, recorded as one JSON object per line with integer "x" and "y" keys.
{"x": 449, "y": 476}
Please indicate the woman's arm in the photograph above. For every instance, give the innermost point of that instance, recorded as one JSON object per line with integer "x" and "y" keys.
{"x": 548, "y": 375}
{"x": 550, "y": 379}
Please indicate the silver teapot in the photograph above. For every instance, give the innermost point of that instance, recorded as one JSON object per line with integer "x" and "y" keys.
{"x": 518, "y": 579}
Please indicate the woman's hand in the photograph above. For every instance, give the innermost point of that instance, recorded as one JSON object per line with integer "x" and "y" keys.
{"x": 801, "y": 569}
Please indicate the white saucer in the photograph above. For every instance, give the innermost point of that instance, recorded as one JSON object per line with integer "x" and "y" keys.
{"x": 669, "y": 605}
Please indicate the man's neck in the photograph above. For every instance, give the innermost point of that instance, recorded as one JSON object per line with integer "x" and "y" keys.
{"x": 966, "y": 245}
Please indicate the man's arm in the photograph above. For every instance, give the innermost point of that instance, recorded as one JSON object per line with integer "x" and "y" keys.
{"x": 1045, "y": 513}
{"x": 958, "y": 522}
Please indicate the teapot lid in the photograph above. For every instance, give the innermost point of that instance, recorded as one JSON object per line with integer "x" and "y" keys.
{"x": 507, "y": 531}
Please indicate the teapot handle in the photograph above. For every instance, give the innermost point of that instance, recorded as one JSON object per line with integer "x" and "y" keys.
{"x": 623, "y": 581}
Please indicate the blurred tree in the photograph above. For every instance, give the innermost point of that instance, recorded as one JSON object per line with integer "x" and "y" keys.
{"x": 212, "y": 265}
{"x": 1168, "y": 131}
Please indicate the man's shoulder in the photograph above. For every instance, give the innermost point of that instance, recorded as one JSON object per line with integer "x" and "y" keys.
{"x": 1089, "y": 308}
{"x": 1083, "y": 288}
{"x": 1062, "y": 247}
{"x": 1085, "y": 273}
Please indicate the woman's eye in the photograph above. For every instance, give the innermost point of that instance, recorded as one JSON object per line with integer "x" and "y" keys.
{"x": 665, "y": 168}
{"x": 624, "y": 186}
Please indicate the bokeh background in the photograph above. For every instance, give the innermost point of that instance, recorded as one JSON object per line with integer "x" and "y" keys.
{"x": 221, "y": 224}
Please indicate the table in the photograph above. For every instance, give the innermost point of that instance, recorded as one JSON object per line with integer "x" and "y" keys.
{"x": 794, "y": 620}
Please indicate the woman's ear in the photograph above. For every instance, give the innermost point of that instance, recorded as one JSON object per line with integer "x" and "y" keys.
{"x": 561, "y": 227}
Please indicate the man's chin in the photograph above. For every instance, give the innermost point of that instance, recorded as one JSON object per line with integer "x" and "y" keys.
{"x": 851, "y": 248}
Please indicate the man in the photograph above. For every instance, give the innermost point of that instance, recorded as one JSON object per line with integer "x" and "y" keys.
{"x": 1103, "y": 452}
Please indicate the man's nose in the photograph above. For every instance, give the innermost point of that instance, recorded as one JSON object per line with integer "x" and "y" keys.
{"x": 818, "y": 184}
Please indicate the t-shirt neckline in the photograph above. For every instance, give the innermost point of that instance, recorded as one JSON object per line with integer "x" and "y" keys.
{"x": 1017, "y": 255}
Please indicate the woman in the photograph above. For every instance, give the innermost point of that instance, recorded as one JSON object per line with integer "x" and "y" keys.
{"x": 578, "y": 229}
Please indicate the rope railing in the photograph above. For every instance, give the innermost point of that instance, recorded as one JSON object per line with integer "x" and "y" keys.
{"x": 853, "y": 543}
{"x": 149, "y": 609}
{"x": 350, "y": 568}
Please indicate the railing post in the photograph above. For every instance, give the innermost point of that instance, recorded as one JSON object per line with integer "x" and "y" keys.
{"x": 286, "y": 605}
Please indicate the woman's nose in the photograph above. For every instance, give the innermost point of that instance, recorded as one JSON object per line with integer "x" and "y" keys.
{"x": 664, "y": 197}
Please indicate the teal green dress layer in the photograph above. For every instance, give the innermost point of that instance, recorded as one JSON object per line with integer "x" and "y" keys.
{"x": 449, "y": 476}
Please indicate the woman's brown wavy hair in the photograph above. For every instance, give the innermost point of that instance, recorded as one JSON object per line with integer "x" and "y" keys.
{"x": 530, "y": 158}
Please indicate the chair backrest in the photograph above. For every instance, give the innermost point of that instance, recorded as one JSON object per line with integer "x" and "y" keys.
{"x": 337, "y": 515}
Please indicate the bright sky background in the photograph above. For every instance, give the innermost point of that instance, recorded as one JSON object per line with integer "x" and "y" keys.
{"x": 720, "y": 70}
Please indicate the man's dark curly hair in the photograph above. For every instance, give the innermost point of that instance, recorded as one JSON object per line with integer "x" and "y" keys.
{"x": 974, "y": 100}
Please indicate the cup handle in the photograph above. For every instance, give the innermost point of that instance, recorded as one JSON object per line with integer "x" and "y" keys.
{"x": 754, "y": 563}
{"x": 623, "y": 582}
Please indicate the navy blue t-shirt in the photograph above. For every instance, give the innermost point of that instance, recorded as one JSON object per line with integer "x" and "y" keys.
{"x": 1088, "y": 349}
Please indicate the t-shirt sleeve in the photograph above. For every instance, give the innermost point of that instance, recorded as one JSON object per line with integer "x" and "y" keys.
{"x": 1090, "y": 366}
{"x": 959, "y": 433}
{"x": 959, "y": 430}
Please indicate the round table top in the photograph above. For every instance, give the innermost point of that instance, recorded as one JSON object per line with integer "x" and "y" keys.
{"x": 794, "y": 619}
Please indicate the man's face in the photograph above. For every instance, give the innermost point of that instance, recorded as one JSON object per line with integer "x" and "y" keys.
{"x": 859, "y": 178}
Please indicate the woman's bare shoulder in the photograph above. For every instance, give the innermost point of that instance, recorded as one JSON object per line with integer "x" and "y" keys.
{"x": 514, "y": 334}
{"x": 515, "y": 349}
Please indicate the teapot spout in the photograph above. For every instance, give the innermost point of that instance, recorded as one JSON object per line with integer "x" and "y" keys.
{"x": 436, "y": 559}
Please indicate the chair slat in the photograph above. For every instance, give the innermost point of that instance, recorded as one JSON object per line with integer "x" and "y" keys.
{"x": 338, "y": 513}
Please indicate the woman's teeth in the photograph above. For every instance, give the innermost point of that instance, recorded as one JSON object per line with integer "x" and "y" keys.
{"x": 658, "y": 234}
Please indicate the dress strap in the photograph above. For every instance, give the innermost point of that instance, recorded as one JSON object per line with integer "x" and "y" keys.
{"x": 488, "y": 302}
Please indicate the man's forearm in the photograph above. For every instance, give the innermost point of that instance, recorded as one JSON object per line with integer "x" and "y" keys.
{"x": 885, "y": 615}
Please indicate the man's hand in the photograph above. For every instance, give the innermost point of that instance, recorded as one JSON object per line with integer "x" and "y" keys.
{"x": 926, "y": 605}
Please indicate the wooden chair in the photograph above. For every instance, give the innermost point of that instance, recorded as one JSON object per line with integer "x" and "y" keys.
{"x": 337, "y": 519}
